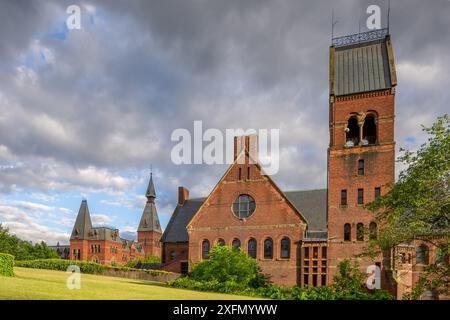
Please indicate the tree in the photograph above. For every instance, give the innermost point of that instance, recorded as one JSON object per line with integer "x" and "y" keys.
{"x": 24, "y": 250}
{"x": 349, "y": 284}
{"x": 229, "y": 264}
{"x": 417, "y": 207}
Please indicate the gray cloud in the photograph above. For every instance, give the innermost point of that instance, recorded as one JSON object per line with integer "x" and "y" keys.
{"x": 108, "y": 97}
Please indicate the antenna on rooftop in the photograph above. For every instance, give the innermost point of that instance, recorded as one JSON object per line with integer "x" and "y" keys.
{"x": 333, "y": 23}
{"x": 388, "y": 14}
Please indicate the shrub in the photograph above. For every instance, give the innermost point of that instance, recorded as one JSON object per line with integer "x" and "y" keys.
{"x": 85, "y": 267}
{"x": 6, "y": 265}
{"x": 228, "y": 265}
{"x": 144, "y": 263}
{"x": 349, "y": 283}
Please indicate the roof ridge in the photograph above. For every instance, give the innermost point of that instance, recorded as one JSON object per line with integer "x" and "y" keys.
{"x": 304, "y": 190}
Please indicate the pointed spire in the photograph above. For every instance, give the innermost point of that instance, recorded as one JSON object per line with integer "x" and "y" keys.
{"x": 151, "y": 194}
{"x": 83, "y": 223}
{"x": 150, "y": 220}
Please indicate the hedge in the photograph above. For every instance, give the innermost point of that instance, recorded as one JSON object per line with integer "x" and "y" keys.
{"x": 85, "y": 267}
{"x": 6, "y": 265}
{"x": 274, "y": 292}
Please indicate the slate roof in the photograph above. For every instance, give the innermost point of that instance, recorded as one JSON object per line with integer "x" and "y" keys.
{"x": 361, "y": 67}
{"x": 83, "y": 223}
{"x": 176, "y": 228}
{"x": 149, "y": 219}
{"x": 312, "y": 204}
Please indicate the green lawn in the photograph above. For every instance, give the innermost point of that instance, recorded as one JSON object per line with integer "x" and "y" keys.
{"x": 37, "y": 284}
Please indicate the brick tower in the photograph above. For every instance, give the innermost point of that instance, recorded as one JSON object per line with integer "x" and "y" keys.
{"x": 149, "y": 230}
{"x": 361, "y": 154}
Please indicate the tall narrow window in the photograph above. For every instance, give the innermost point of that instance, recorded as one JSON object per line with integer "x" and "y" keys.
{"x": 360, "y": 167}
{"x": 377, "y": 192}
{"x": 221, "y": 242}
{"x": 422, "y": 254}
{"x": 236, "y": 244}
{"x": 360, "y": 196}
{"x": 252, "y": 248}
{"x": 352, "y": 133}
{"x": 324, "y": 252}
{"x": 369, "y": 130}
{"x": 315, "y": 252}
{"x": 285, "y": 248}
{"x": 344, "y": 197}
{"x": 347, "y": 232}
{"x": 373, "y": 231}
{"x": 306, "y": 252}
{"x": 268, "y": 248}
{"x": 240, "y": 174}
{"x": 205, "y": 249}
{"x": 360, "y": 232}
{"x": 324, "y": 280}
{"x": 248, "y": 173}
{"x": 305, "y": 280}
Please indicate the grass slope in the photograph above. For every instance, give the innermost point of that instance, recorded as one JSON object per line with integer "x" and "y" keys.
{"x": 38, "y": 284}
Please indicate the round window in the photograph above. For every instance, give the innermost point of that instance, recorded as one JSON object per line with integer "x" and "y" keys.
{"x": 244, "y": 206}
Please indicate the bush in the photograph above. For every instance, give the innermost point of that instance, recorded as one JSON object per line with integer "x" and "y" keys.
{"x": 6, "y": 265}
{"x": 85, "y": 267}
{"x": 349, "y": 282}
{"x": 144, "y": 263}
{"x": 228, "y": 265}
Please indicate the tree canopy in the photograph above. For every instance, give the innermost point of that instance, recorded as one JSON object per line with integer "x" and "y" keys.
{"x": 417, "y": 207}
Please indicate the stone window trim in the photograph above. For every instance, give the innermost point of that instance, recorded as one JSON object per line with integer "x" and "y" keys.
{"x": 240, "y": 200}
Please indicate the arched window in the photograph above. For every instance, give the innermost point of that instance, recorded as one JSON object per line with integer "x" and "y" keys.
{"x": 373, "y": 231}
{"x": 352, "y": 133}
{"x": 173, "y": 255}
{"x": 252, "y": 248}
{"x": 221, "y": 242}
{"x": 205, "y": 249}
{"x": 360, "y": 232}
{"x": 285, "y": 248}
{"x": 236, "y": 244}
{"x": 369, "y": 130}
{"x": 268, "y": 248}
{"x": 347, "y": 232}
{"x": 422, "y": 254}
{"x": 244, "y": 206}
{"x": 441, "y": 257}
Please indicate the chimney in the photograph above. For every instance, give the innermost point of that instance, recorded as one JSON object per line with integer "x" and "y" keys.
{"x": 183, "y": 195}
{"x": 251, "y": 145}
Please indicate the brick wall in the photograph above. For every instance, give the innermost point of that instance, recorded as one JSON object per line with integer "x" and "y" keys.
{"x": 273, "y": 218}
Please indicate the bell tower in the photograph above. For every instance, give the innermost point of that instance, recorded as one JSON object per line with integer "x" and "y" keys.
{"x": 149, "y": 230}
{"x": 361, "y": 153}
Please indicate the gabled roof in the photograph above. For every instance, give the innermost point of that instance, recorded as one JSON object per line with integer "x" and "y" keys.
{"x": 83, "y": 223}
{"x": 311, "y": 203}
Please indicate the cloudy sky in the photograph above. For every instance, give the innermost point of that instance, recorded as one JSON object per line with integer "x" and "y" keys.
{"x": 84, "y": 113}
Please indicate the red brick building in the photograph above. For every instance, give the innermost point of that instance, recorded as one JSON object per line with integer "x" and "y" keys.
{"x": 103, "y": 245}
{"x": 299, "y": 237}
